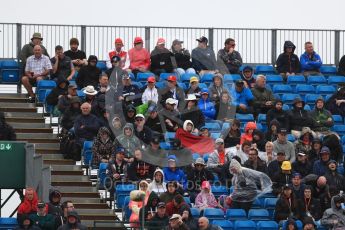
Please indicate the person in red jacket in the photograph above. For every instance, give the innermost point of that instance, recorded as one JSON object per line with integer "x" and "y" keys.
{"x": 139, "y": 57}
{"x": 248, "y": 132}
{"x": 117, "y": 52}
{"x": 29, "y": 204}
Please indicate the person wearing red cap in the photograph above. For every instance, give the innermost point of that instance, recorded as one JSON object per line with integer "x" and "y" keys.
{"x": 161, "y": 59}
{"x": 150, "y": 93}
{"x": 139, "y": 57}
{"x": 173, "y": 91}
{"x": 117, "y": 52}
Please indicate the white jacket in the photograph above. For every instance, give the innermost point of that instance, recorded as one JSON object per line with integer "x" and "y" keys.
{"x": 150, "y": 95}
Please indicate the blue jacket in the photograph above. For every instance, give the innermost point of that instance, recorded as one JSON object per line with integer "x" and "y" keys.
{"x": 178, "y": 175}
{"x": 320, "y": 168}
{"x": 207, "y": 108}
{"x": 310, "y": 64}
{"x": 243, "y": 97}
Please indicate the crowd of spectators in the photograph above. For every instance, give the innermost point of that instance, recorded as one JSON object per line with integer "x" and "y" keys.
{"x": 128, "y": 128}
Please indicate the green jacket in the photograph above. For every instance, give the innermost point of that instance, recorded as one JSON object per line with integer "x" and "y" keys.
{"x": 28, "y": 50}
{"x": 320, "y": 116}
{"x": 261, "y": 96}
{"x": 46, "y": 222}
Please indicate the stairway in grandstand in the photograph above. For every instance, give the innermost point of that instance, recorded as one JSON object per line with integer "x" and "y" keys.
{"x": 66, "y": 176}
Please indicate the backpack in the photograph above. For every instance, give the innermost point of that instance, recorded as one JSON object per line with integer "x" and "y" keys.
{"x": 69, "y": 147}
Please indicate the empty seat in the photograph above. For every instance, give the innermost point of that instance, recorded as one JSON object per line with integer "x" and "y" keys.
{"x": 137, "y": 83}
{"x": 258, "y": 214}
{"x": 195, "y": 212}
{"x": 256, "y": 204}
{"x": 186, "y": 77}
{"x": 245, "y": 225}
{"x": 160, "y": 84}
{"x": 274, "y": 79}
{"x": 264, "y": 69}
{"x": 231, "y": 77}
{"x": 101, "y": 174}
{"x": 296, "y": 79}
{"x": 236, "y": 214}
{"x": 328, "y": 70}
{"x": 338, "y": 120}
{"x": 8, "y": 223}
{"x": 244, "y": 117}
{"x": 202, "y": 85}
{"x": 9, "y": 71}
{"x": 261, "y": 118}
{"x": 208, "y": 77}
{"x": 340, "y": 129}
{"x": 325, "y": 89}
{"x": 288, "y": 98}
{"x": 169, "y": 135}
{"x": 41, "y": 88}
{"x": 212, "y": 126}
{"x": 121, "y": 191}
{"x": 219, "y": 190}
{"x": 215, "y": 135}
{"x": 282, "y": 89}
{"x": 267, "y": 225}
{"x": 269, "y": 205}
{"x": 305, "y": 89}
{"x": 316, "y": 80}
{"x": 142, "y": 77}
{"x": 336, "y": 80}
{"x": 214, "y": 213}
{"x": 311, "y": 98}
{"x": 224, "y": 224}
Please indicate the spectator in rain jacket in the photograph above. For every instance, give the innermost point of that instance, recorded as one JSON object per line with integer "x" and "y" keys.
{"x": 203, "y": 57}
{"x": 205, "y": 199}
{"x": 320, "y": 166}
{"x": 217, "y": 88}
{"x": 334, "y": 217}
{"x": 26, "y": 224}
{"x": 54, "y": 206}
{"x": 310, "y": 61}
{"x": 161, "y": 58}
{"x": 173, "y": 173}
{"x": 29, "y": 204}
{"x": 334, "y": 179}
{"x": 59, "y": 91}
{"x": 71, "y": 113}
{"x": 248, "y": 132}
{"x": 336, "y": 103}
{"x": 310, "y": 206}
{"x": 242, "y": 98}
{"x": 288, "y": 63}
{"x": 102, "y": 147}
{"x": 206, "y": 106}
{"x": 89, "y": 74}
{"x": 323, "y": 119}
{"x": 128, "y": 140}
{"x": 139, "y": 169}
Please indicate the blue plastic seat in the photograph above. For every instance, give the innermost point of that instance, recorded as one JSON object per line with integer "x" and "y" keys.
{"x": 269, "y": 205}
{"x": 8, "y": 223}
{"x": 310, "y": 99}
{"x": 185, "y": 78}
{"x": 225, "y": 126}
{"x": 212, "y": 126}
{"x": 244, "y": 117}
{"x": 205, "y": 156}
{"x": 187, "y": 200}
{"x": 288, "y": 98}
{"x": 215, "y": 135}
{"x": 274, "y": 79}
{"x": 214, "y": 213}
{"x": 87, "y": 152}
{"x": 81, "y": 95}
{"x": 195, "y": 156}
{"x": 296, "y": 79}
{"x": 291, "y": 138}
{"x": 219, "y": 190}
{"x": 267, "y": 225}
{"x": 182, "y": 85}
{"x": 338, "y": 119}
{"x": 9, "y": 71}
{"x": 126, "y": 210}
{"x": 195, "y": 212}
{"x": 264, "y": 69}
{"x": 231, "y": 77}
{"x": 256, "y": 204}
{"x": 208, "y": 77}
{"x": 169, "y": 135}
{"x": 286, "y": 107}
{"x": 340, "y": 169}
{"x": 47, "y": 108}
{"x": 340, "y": 129}
{"x": 307, "y": 107}
{"x": 202, "y": 85}
{"x": 101, "y": 65}
{"x": 224, "y": 224}
{"x": 142, "y": 77}
{"x": 325, "y": 89}
{"x": 123, "y": 190}
{"x": 328, "y": 70}
{"x": 316, "y": 80}
{"x": 137, "y": 83}
{"x": 298, "y": 223}
{"x": 131, "y": 76}
{"x": 164, "y": 76}
{"x": 303, "y": 89}
{"x": 336, "y": 80}
{"x": 41, "y": 88}
{"x": 261, "y": 118}
{"x": 245, "y": 225}
{"x": 102, "y": 174}
{"x": 236, "y": 214}
{"x": 160, "y": 84}
{"x": 282, "y": 89}
{"x": 258, "y": 214}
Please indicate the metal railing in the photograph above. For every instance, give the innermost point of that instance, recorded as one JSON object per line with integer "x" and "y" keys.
{"x": 257, "y": 46}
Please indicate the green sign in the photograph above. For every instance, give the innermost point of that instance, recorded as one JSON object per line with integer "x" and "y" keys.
{"x": 12, "y": 165}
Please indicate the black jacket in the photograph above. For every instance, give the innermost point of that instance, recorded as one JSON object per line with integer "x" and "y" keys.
{"x": 335, "y": 181}
{"x": 283, "y": 209}
{"x": 261, "y": 165}
{"x": 88, "y": 75}
{"x": 69, "y": 117}
{"x": 288, "y": 62}
{"x": 312, "y": 206}
{"x": 140, "y": 170}
{"x": 161, "y": 59}
{"x": 144, "y": 135}
{"x": 300, "y": 118}
{"x": 53, "y": 97}
{"x": 165, "y": 93}
{"x": 195, "y": 115}
{"x": 341, "y": 68}
{"x": 182, "y": 58}
{"x": 280, "y": 115}
{"x": 303, "y": 169}
{"x": 196, "y": 177}
{"x": 7, "y": 132}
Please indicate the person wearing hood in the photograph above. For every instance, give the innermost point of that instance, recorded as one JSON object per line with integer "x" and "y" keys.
{"x": 285, "y": 146}
{"x": 341, "y": 66}
{"x": 310, "y": 61}
{"x": 205, "y": 199}
{"x": 323, "y": 119}
{"x": 56, "y": 93}
{"x": 102, "y": 147}
{"x": 248, "y": 184}
{"x": 172, "y": 91}
{"x": 288, "y": 63}
{"x": 142, "y": 131}
{"x": 7, "y": 132}
{"x": 86, "y": 125}
{"x": 62, "y": 65}
{"x": 42, "y": 218}
{"x": 54, "y": 207}
{"x": 217, "y": 88}
{"x": 26, "y": 224}
{"x": 277, "y": 113}
{"x": 173, "y": 173}
{"x": 299, "y": 118}
{"x": 139, "y": 57}
{"x": 242, "y": 98}
{"x": 320, "y": 166}
{"x": 310, "y": 206}
{"x": 290, "y": 224}
{"x": 232, "y": 135}
{"x": 248, "y": 132}
{"x": 203, "y": 57}
{"x": 334, "y": 217}
{"x": 224, "y": 111}
{"x": 287, "y": 205}
{"x": 304, "y": 143}
{"x": 28, "y": 205}
{"x": 302, "y": 164}
{"x": 254, "y": 162}
{"x": 272, "y": 131}
{"x": 228, "y": 59}
{"x": 161, "y": 59}
{"x": 247, "y": 75}
{"x": 336, "y": 103}
{"x": 128, "y": 140}
{"x": 332, "y": 141}
{"x": 71, "y": 113}
{"x": 196, "y": 176}
{"x": 130, "y": 113}
{"x": 193, "y": 113}
{"x": 150, "y": 209}
{"x": 314, "y": 153}
{"x": 72, "y": 222}
{"x": 194, "y": 87}
{"x": 138, "y": 168}
{"x": 206, "y": 106}
{"x": 89, "y": 74}
{"x": 334, "y": 179}
{"x": 158, "y": 185}
{"x": 263, "y": 98}
{"x": 152, "y": 121}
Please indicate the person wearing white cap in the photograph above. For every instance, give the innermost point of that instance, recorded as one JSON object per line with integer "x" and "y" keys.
{"x": 176, "y": 223}
{"x": 168, "y": 116}
{"x": 143, "y": 132}
{"x": 193, "y": 113}
{"x": 161, "y": 59}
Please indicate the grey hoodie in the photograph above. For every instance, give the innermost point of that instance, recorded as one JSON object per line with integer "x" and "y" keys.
{"x": 332, "y": 215}
{"x": 288, "y": 148}
{"x": 130, "y": 143}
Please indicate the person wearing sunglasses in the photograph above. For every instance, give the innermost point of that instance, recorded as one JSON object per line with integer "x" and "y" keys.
{"x": 229, "y": 60}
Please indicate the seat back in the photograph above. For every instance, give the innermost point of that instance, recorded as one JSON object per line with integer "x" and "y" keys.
{"x": 224, "y": 224}
{"x": 236, "y": 214}
{"x": 214, "y": 213}
{"x": 245, "y": 225}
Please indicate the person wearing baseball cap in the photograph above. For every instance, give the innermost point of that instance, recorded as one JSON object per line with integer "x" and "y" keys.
{"x": 28, "y": 49}
{"x": 182, "y": 58}
{"x": 150, "y": 94}
{"x": 139, "y": 57}
{"x": 161, "y": 59}
{"x": 205, "y": 104}
{"x": 160, "y": 218}
{"x": 78, "y": 56}
{"x": 117, "y": 51}
{"x": 302, "y": 164}
{"x": 152, "y": 120}
{"x": 172, "y": 90}
{"x": 143, "y": 132}
{"x": 320, "y": 166}
{"x": 193, "y": 113}
{"x": 204, "y": 58}
{"x": 194, "y": 87}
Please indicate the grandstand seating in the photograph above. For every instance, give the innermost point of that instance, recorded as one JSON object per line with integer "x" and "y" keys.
{"x": 267, "y": 225}
{"x": 338, "y": 120}
{"x": 236, "y": 214}
{"x": 101, "y": 174}
{"x": 274, "y": 79}
{"x": 264, "y": 69}
{"x": 317, "y": 80}
{"x": 269, "y": 205}
{"x": 41, "y": 88}
{"x": 195, "y": 212}
{"x": 296, "y": 79}
{"x": 325, "y": 89}
{"x": 121, "y": 191}
{"x": 340, "y": 129}
{"x": 244, "y": 117}
{"x": 281, "y": 89}
{"x": 8, "y": 223}
{"x": 224, "y": 224}
{"x": 208, "y": 77}
{"x": 214, "y": 214}
{"x": 219, "y": 190}
{"x": 328, "y": 70}
{"x": 142, "y": 77}
{"x": 164, "y": 76}
{"x": 87, "y": 152}
{"x": 258, "y": 214}
{"x": 231, "y": 77}
{"x": 102, "y": 65}
{"x": 9, "y": 71}
{"x": 245, "y": 225}
{"x": 336, "y": 80}
{"x": 288, "y": 98}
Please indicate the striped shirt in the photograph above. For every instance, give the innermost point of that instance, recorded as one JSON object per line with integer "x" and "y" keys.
{"x": 38, "y": 65}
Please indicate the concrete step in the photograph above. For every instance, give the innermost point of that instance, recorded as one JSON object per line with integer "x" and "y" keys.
{"x": 38, "y": 137}
{"x": 91, "y": 205}
{"x": 76, "y": 189}
{"x": 80, "y": 194}
{"x": 31, "y": 127}
{"x": 104, "y": 225}
{"x": 72, "y": 183}
{"x": 11, "y": 97}
{"x": 53, "y": 157}
{"x": 48, "y": 148}
{"x": 73, "y": 178}
{"x": 58, "y": 161}
{"x": 23, "y": 115}
{"x": 67, "y": 170}
{"x": 17, "y": 107}
{"x": 76, "y": 173}
{"x": 82, "y": 200}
